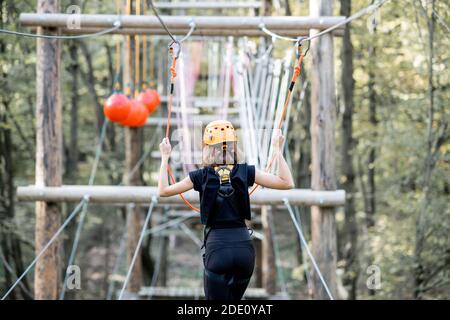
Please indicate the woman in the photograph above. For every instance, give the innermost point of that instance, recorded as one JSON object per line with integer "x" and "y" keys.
{"x": 223, "y": 185}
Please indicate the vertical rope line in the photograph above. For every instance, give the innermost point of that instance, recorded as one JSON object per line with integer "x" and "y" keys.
{"x": 138, "y": 246}
{"x": 305, "y": 244}
{"x": 137, "y": 54}
{"x": 144, "y": 52}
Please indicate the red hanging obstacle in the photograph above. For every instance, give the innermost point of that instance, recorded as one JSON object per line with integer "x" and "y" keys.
{"x": 117, "y": 107}
{"x": 150, "y": 98}
{"x": 137, "y": 116}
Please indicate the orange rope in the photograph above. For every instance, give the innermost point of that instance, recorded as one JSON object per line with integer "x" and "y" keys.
{"x": 169, "y": 112}
{"x": 297, "y": 71}
{"x": 117, "y": 85}
{"x": 144, "y": 52}
{"x": 137, "y": 55}
{"x": 152, "y": 63}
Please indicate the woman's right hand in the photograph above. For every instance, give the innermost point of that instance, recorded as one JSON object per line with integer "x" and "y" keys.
{"x": 165, "y": 148}
{"x": 278, "y": 140}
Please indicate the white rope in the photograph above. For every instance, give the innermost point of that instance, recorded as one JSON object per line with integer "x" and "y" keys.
{"x": 138, "y": 246}
{"x": 190, "y": 234}
{"x": 360, "y": 13}
{"x": 169, "y": 224}
{"x": 441, "y": 20}
{"x": 49, "y": 243}
{"x": 307, "y": 273}
{"x": 305, "y": 244}
{"x": 10, "y": 269}
{"x": 157, "y": 267}
{"x": 117, "y": 263}
{"x": 76, "y": 240}
{"x": 116, "y": 26}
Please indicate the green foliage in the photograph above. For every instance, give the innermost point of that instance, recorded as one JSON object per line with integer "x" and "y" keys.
{"x": 400, "y": 141}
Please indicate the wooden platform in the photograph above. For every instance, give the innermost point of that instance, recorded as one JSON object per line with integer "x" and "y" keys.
{"x": 165, "y": 293}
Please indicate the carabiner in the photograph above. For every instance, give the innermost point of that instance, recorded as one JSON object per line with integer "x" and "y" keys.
{"x": 175, "y": 52}
{"x": 299, "y": 45}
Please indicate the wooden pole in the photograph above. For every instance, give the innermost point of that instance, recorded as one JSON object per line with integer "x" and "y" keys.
{"x": 48, "y": 155}
{"x": 216, "y": 5}
{"x": 202, "y": 23}
{"x": 269, "y": 272}
{"x": 132, "y": 155}
{"x": 142, "y": 195}
{"x": 295, "y": 32}
{"x": 323, "y": 119}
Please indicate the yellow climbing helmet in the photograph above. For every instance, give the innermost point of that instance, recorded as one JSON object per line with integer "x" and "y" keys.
{"x": 219, "y": 131}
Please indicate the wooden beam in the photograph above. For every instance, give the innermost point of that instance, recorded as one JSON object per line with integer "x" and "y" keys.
{"x": 189, "y": 293}
{"x": 140, "y": 194}
{"x": 48, "y": 156}
{"x": 203, "y": 23}
{"x": 132, "y": 154}
{"x": 323, "y": 122}
{"x": 208, "y": 5}
{"x": 195, "y": 119}
{"x": 269, "y": 272}
{"x": 203, "y": 32}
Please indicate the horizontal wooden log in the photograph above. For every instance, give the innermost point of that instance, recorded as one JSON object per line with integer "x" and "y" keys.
{"x": 199, "y": 32}
{"x": 194, "y": 119}
{"x": 222, "y": 24}
{"x": 193, "y": 293}
{"x": 208, "y": 5}
{"x": 139, "y": 194}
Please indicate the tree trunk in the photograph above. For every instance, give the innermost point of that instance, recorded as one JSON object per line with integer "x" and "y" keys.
{"x": 370, "y": 195}
{"x": 323, "y": 120}
{"x": 419, "y": 271}
{"x": 90, "y": 82}
{"x": 132, "y": 155}
{"x": 48, "y": 155}
{"x": 72, "y": 149}
{"x": 351, "y": 230}
{"x": 269, "y": 272}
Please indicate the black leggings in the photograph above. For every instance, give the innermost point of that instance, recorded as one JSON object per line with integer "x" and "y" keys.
{"x": 229, "y": 260}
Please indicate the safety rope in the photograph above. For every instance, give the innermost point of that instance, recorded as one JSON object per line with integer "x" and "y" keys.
{"x": 137, "y": 56}
{"x": 115, "y": 269}
{"x": 169, "y": 224}
{"x": 156, "y": 267}
{"x": 307, "y": 274}
{"x": 116, "y": 25}
{"x": 369, "y": 9}
{"x": 71, "y": 216}
{"x": 10, "y": 269}
{"x": 83, "y": 214}
{"x": 279, "y": 268}
{"x": 144, "y": 51}
{"x": 116, "y": 82}
{"x": 305, "y": 244}
{"x": 173, "y": 72}
{"x": 295, "y": 75}
{"x": 138, "y": 246}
